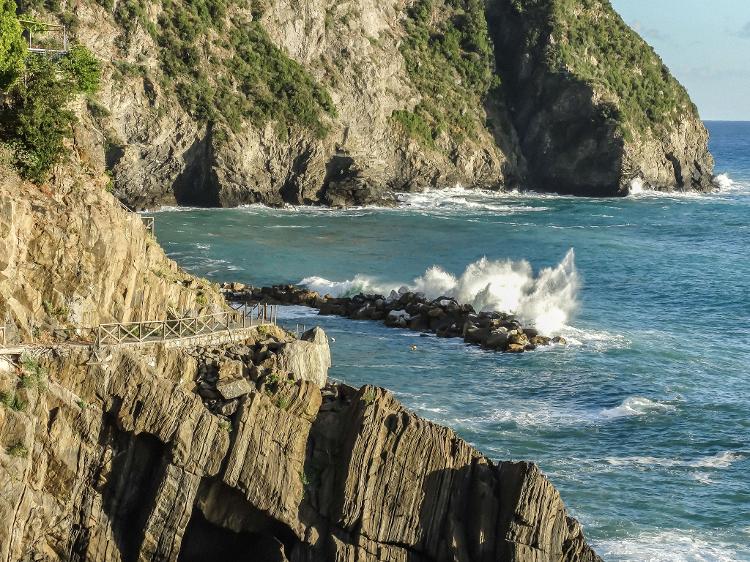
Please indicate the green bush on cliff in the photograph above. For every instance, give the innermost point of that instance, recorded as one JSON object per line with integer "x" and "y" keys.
{"x": 256, "y": 81}
{"x": 450, "y": 60}
{"x": 12, "y": 45}
{"x": 34, "y": 112}
{"x": 596, "y": 45}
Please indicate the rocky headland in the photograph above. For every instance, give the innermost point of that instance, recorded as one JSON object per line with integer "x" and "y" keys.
{"x": 443, "y": 316}
{"x": 315, "y": 102}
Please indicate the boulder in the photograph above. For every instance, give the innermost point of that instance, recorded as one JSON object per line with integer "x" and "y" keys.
{"x": 233, "y": 388}
{"x": 230, "y": 370}
{"x": 308, "y": 358}
{"x": 497, "y": 339}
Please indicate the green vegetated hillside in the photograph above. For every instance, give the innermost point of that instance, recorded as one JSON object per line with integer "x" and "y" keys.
{"x": 593, "y": 43}
{"x": 416, "y": 95}
{"x": 450, "y": 60}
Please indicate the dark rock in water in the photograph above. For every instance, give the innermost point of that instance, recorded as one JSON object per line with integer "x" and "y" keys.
{"x": 497, "y": 340}
{"x": 540, "y": 340}
{"x": 404, "y": 309}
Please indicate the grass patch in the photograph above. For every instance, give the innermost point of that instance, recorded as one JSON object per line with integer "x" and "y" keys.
{"x": 11, "y": 401}
{"x": 18, "y": 450}
{"x": 59, "y": 312}
{"x": 369, "y": 396}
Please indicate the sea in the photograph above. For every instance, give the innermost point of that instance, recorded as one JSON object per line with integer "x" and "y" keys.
{"x": 642, "y": 420}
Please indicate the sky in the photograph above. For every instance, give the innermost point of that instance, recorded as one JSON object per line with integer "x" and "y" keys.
{"x": 706, "y": 45}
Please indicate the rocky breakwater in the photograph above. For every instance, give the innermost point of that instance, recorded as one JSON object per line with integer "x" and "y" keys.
{"x": 224, "y": 453}
{"x": 443, "y": 316}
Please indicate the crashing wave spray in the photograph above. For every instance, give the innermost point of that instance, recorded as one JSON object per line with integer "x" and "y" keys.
{"x": 546, "y": 301}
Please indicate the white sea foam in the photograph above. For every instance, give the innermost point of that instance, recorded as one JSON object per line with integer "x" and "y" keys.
{"x": 717, "y": 461}
{"x": 636, "y": 186}
{"x": 595, "y": 340}
{"x": 638, "y": 189}
{"x": 636, "y": 406}
{"x": 535, "y": 413}
{"x": 461, "y": 199}
{"x": 296, "y": 312}
{"x": 724, "y": 182}
{"x": 547, "y": 300}
{"x": 668, "y": 546}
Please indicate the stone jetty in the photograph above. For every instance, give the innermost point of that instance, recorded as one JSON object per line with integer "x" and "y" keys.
{"x": 444, "y": 316}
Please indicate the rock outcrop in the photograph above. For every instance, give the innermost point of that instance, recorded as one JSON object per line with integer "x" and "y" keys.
{"x": 323, "y": 103}
{"x": 172, "y": 452}
{"x": 71, "y": 257}
{"x": 595, "y": 107}
{"x": 124, "y": 460}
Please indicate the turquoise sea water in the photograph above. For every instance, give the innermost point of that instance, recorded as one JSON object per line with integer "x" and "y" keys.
{"x": 642, "y": 422}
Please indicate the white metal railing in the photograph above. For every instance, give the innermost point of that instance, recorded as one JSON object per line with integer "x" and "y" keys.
{"x": 47, "y": 30}
{"x": 148, "y": 222}
{"x": 151, "y": 331}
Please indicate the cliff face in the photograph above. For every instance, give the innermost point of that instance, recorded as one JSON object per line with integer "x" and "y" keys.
{"x": 320, "y": 102}
{"x": 133, "y": 459}
{"x": 72, "y": 257}
{"x": 169, "y": 453}
{"x": 594, "y": 106}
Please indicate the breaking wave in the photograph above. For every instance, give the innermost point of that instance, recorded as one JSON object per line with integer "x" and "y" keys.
{"x": 636, "y": 406}
{"x": 546, "y": 300}
{"x": 719, "y": 460}
{"x": 668, "y": 546}
{"x": 724, "y": 182}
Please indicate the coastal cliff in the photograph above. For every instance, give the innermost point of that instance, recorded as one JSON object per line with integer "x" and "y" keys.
{"x": 174, "y": 451}
{"x": 71, "y": 257}
{"x": 342, "y": 104}
{"x": 140, "y": 458}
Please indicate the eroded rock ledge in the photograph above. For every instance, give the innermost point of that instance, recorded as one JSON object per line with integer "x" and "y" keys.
{"x": 443, "y": 316}
{"x": 131, "y": 459}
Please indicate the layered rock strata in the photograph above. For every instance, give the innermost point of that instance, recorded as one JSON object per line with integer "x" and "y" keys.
{"x": 71, "y": 257}
{"x": 134, "y": 459}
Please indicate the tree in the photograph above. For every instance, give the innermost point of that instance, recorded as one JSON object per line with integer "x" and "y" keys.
{"x": 12, "y": 45}
{"x": 34, "y": 115}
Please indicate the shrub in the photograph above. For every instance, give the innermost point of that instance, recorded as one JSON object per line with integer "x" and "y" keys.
{"x": 11, "y": 400}
{"x": 449, "y": 58}
{"x": 18, "y": 450}
{"x": 34, "y": 115}
{"x": 83, "y": 68}
{"x": 369, "y": 396}
{"x": 596, "y": 45}
{"x": 12, "y": 45}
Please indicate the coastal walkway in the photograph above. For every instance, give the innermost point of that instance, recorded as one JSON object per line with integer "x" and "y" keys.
{"x": 209, "y": 329}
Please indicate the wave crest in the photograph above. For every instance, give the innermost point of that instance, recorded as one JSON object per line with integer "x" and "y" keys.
{"x": 636, "y": 406}
{"x": 546, "y": 301}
